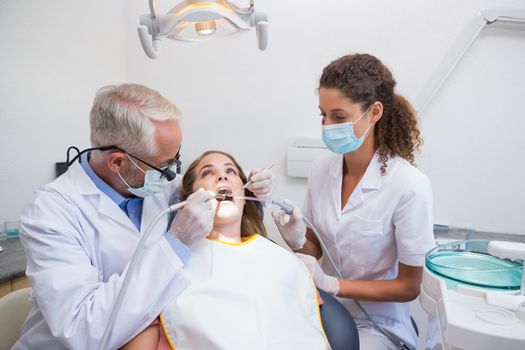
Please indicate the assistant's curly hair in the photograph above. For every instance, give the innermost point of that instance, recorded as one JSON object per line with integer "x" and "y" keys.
{"x": 365, "y": 80}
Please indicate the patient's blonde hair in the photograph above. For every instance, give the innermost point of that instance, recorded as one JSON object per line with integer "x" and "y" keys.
{"x": 251, "y": 218}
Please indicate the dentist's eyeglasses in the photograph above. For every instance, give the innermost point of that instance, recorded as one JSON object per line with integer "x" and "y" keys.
{"x": 166, "y": 171}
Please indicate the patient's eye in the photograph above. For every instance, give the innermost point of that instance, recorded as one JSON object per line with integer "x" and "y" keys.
{"x": 231, "y": 171}
{"x": 206, "y": 173}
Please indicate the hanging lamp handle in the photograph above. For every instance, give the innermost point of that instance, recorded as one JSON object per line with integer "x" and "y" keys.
{"x": 262, "y": 35}
{"x": 260, "y": 19}
{"x": 150, "y": 44}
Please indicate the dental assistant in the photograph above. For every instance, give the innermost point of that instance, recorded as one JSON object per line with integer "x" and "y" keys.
{"x": 80, "y": 231}
{"x": 371, "y": 206}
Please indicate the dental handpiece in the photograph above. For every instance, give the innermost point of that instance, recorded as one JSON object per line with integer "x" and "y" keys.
{"x": 288, "y": 209}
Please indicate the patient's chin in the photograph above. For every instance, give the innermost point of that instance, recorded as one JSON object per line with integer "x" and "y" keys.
{"x": 227, "y": 211}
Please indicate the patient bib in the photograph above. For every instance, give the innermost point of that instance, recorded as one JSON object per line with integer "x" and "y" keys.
{"x": 252, "y": 295}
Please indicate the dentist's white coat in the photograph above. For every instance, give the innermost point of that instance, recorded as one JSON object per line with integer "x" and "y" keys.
{"x": 78, "y": 243}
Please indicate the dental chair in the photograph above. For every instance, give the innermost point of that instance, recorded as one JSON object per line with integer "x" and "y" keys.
{"x": 338, "y": 325}
{"x": 14, "y": 308}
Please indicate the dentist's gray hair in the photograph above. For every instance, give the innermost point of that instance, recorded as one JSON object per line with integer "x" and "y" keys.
{"x": 123, "y": 115}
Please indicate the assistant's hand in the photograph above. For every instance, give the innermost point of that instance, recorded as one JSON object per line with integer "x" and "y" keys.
{"x": 326, "y": 282}
{"x": 262, "y": 181}
{"x": 195, "y": 220}
{"x": 291, "y": 227}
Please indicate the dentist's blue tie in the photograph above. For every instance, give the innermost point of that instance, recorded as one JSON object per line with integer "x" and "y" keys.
{"x": 133, "y": 209}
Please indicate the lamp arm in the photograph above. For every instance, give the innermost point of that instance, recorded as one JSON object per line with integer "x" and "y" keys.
{"x": 449, "y": 62}
{"x": 460, "y": 47}
{"x": 241, "y": 11}
{"x": 151, "y": 46}
{"x": 504, "y": 14}
{"x": 153, "y": 8}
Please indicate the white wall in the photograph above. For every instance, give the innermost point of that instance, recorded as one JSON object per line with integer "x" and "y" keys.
{"x": 54, "y": 54}
{"x": 473, "y": 132}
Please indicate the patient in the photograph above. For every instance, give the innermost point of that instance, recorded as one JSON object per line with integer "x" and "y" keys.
{"x": 246, "y": 292}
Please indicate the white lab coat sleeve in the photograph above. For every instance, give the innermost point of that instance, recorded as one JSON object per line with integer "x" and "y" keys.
{"x": 413, "y": 221}
{"x": 69, "y": 289}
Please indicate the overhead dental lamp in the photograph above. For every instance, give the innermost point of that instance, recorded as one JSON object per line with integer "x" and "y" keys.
{"x": 200, "y": 20}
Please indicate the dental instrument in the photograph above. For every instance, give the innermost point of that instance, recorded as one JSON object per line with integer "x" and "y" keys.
{"x": 249, "y": 182}
{"x": 286, "y": 208}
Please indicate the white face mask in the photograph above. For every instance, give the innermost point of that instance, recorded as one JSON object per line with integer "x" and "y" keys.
{"x": 154, "y": 182}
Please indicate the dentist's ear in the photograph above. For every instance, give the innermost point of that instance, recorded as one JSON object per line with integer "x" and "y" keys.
{"x": 116, "y": 161}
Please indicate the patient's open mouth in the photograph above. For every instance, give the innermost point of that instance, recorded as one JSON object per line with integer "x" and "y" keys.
{"x": 224, "y": 194}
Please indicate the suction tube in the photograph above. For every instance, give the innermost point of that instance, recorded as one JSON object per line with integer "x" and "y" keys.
{"x": 395, "y": 340}
{"x": 127, "y": 278}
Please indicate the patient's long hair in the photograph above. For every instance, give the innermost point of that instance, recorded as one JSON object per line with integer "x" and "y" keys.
{"x": 251, "y": 219}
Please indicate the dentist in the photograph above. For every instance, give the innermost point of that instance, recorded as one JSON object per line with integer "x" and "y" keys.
{"x": 371, "y": 206}
{"x": 80, "y": 231}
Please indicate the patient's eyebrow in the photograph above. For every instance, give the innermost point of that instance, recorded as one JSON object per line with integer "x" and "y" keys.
{"x": 207, "y": 166}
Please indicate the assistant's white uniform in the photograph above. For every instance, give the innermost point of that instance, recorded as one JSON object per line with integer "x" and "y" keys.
{"x": 78, "y": 242}
{"x": 387, "y": 219}
{"x": 253, "y": 295}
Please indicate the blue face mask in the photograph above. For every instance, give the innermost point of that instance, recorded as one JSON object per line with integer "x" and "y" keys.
{"x": 340, "y": 138}
{"x": 154, "y": 182}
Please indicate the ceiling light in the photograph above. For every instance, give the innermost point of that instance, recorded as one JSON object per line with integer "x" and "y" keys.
{"x": 200, "y": 20}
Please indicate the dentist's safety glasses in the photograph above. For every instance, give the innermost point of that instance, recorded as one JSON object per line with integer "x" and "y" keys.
{"x": 168, "y": 171}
